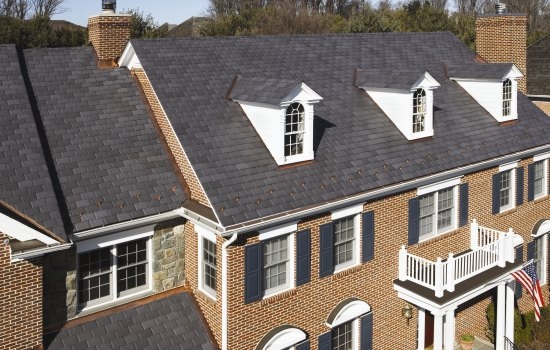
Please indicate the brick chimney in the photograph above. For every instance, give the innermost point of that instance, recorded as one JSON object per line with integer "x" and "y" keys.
{"x": 109, "y": 32}
{"x": 502, "y": 38}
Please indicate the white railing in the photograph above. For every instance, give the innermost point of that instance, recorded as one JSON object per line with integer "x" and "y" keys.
{"x": 493, "y": 248}
{"x": 480, "y": 236}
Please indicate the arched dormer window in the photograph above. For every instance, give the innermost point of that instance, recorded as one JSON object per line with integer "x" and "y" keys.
{"x": 419, "y": 110}
{"x": 294, "y": 129}
{"x": 506, "y": 98}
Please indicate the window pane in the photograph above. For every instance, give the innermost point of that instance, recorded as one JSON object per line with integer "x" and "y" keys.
{"x": 538, "y": 259}
{"x": 505, "y": 188}
{"x": 294, "y": 129}
{"x": 94, "y": 269}
{"x": 131, "y": 265}
{"x": 342, "y": 337}
{"x": 275, "y": 262}
{"x": 209, "y": 263}
{"x": 507, "y": 97}
{"x": 445, "y": 204}
{"x": 427, "y": 210}
{"x": 419, "y": 110}
{"x": 539, "y": 181}
{"x": 344, "y": 237}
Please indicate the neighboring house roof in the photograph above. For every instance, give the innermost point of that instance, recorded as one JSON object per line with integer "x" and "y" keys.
{"x": 538, "y": 67}
{"x": 173, "y": 322}
{"x": 479, "y": 71}
{"x": 25, "y": 183}
{"x": 78, "y": 148}
{"x": 108, "y": 160}
{"x": 387, "y": 79}
{"x": 190, "y": 27}
{"x": 357, "y": 148}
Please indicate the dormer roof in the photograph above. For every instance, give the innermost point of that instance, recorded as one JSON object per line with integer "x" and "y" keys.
{"x": 393, "y": 79}
{"x": 483, "y": 71}
{"x": 270, "y": 91}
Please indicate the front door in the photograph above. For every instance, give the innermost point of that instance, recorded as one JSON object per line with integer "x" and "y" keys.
{"x": 428, "y": 329}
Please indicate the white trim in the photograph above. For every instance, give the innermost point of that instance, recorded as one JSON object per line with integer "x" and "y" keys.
{"x": 544, "y": 190}
{"x": 285, "y": 339}
{"x": 544, "y": 261}
{"x": 345, "y": 212}
{"x": 225, "y": 320}
{"x": 543, "y": 229}
{"x": 512, "y": 189}
{"x": 356, "y": 247}
{"x": 204, "y": 234}
{"x": 280, "y": 230}
{"x": 435, "y": 231}
{"x": 350, "y": 312}
{"x": 21, "y": 232}
{"x": 541, "y": 156}
{"x": 438, "y": 186}
{"x": 113, "y": 239}
{"x": 507, "y": 166}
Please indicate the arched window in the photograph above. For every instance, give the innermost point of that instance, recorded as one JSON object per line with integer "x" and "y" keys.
{"x": 506, "y": 98}
{"x": 419, "y": 110}
{"x": 282, "y": 338}
{"x": 294, "y": 130}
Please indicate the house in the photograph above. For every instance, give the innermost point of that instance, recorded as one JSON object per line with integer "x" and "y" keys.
{"x": 320, "y": 191}
{"x": 538, "y": 72}
{"x": 190, "y": 27}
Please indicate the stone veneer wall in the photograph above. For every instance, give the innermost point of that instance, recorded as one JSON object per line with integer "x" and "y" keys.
{"x": 308, "y": 306}
{"x": 20, "y": 301}
{"x": 60, "y": 279}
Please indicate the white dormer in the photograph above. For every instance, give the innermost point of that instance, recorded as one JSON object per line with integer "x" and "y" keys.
{"x": 492, "y": 85}
{"x": 282, "y": 113}
{"x": 405, "y": 97}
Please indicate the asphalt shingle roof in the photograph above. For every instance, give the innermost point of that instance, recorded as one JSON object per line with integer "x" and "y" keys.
{"x": 538, "y": 67}
{"x": 479, "y": 71}
{"x": 357, "y": 148}
{"x": 108, "y": 160}
{"x": 169, "y": 323}
{"x": 260, "y": 90}
{"x": 24, "y": 178}
{"x": 387, "y": 79}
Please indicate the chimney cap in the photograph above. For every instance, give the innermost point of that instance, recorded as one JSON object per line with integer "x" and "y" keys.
{"x": 500, "y": 8}
{"x": 108, "y": 6}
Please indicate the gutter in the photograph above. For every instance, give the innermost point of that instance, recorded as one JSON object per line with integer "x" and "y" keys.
{"x": 224, "y": 290}
{"x": 39, "y": 252}
{"x": 293, "y": 215}
{"x": 126, "y": 225}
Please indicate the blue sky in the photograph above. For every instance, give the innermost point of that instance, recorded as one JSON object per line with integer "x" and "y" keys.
{"x": 171, "y": 11}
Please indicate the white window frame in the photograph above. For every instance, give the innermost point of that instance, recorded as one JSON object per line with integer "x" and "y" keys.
{"x": 354, "y": 333}
{"x": 542, "y": 241}
{"x": 289, "y": 230}
{"x": 356, "y": 246}
{"x": 351, "y": 313}
{"x": 509, "y": 167}
{"x": 420, "y": 109}
{"x": 210, "y": 236}
{"x": 112, "y": 241}
{"x": 544, "y": 189}
{"x": 287, "y": 338}
{"x": 507, "y": 98}
{"x": 434, "y": 189}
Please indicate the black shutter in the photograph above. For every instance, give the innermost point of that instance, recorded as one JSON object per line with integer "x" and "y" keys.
{"x": 414, "y": 212}
{"x": 326, "y": 267}
{"x": 325, "y": 341}
{"x": 520, "y": 174}
{"x": 368, "y": 236}
{"x": 530, "y": 250}
{"x": 463, "y": 206}
{"x": 303, "y": 346}
{"x": 303, "y": 257}
{"x": 253, "y": 272}
{"x": 530, "y": 182}
{"x": 366, "y": 332}
{"x": 496, "y": 193}
{"x": 519, "y": 257}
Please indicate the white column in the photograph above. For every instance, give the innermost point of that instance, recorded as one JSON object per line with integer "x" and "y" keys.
{"x": 501, "y": 316}
{"x": 438, "y": 331}
{"x": 450, "y": 329}
{"x": 510, "y": 311}
{"x": 421, "y": 328}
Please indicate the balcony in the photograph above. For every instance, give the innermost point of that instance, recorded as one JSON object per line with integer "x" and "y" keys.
{"x": 488, "y": 249}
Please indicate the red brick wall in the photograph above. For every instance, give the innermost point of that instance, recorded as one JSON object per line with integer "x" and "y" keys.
{"x": 109, "y": 35}
{"x": 503, "y": 39}
{"x": 307, "y": 307}
{"x": 545, "y": 106}
{"x": 20, "y": 301}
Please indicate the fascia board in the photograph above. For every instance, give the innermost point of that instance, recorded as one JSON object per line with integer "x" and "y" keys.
{"x": 426, "y": 80}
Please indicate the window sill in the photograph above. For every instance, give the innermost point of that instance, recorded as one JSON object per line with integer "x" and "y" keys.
{"x": 87, "y": 310}
{"x": 346, "y": 272}
{"x": 210, "y": 295}
{"x": 271, "y": 298}
{"x": 507, "y": 211}
{"x": 438, "y": 237}
{"x": 540, "y": 199}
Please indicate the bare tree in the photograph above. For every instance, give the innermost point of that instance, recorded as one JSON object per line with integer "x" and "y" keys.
{"x": 46, "y": 8}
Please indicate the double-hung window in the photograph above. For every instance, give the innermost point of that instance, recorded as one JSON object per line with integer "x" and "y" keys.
{"x": 507, "y": 187}
{"x": 351, "y": 326}
{"x": 540, "y": 258}
{"x": 419, "y": 110}
{"x": 437, "y": 212}
{"x": 113, "y": 272}
{"x": 276, "y": 264}
{"x": 294, "y": 129}
{"x": 537, "y": 180}
{"x": 344, "y": 242}
{"x": 207, "y": 261}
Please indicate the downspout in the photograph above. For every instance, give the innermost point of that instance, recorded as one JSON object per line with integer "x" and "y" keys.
{"x": 224, "y": 289}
